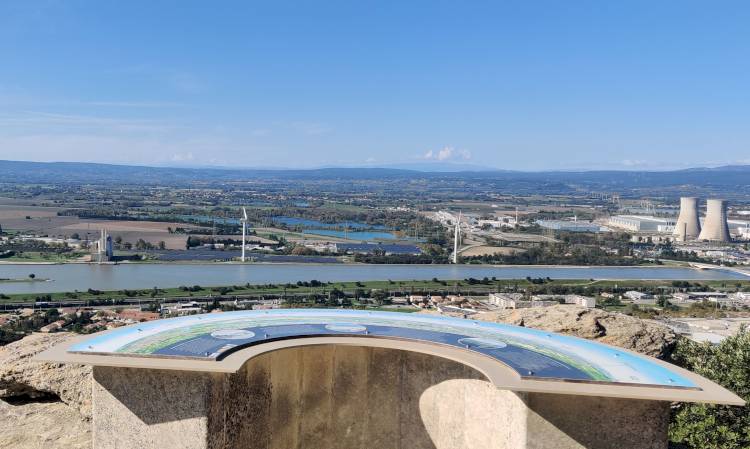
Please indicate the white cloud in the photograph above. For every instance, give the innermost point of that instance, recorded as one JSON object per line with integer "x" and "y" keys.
{"x": 446, "y": 154}
{"x": 183, "y": 157}
{"x": 633, "y": 163}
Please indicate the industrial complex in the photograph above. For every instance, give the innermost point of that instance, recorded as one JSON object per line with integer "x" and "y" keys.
{"x": 689, "y": 226}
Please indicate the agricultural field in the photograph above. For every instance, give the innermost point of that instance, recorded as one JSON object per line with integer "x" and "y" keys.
{"x": 490, "y": 250}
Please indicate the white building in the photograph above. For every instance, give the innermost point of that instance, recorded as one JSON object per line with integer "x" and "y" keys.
{"x": 504, "y": 300}
{"x": 642, "y": 223}
{"x": 495, "y": 224}
{"x": 743, "y": 232}
{"x": 183, "y": 308}
{"x": 522, "y": 304}
{"x": 638, "y": 296}
{"x": 418, "y": 299}
{"x": 516, "y": 301}
{"x": 688, "y": 297}
{"x": 577, "y": 300}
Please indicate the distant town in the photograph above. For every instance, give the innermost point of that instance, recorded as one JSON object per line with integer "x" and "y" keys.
{"x": 396, "y": 217}
{"x": 332, "y": 218}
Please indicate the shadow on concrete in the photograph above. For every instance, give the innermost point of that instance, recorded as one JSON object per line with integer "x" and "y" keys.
{"x": 313, "y": 397}
{"x": 609, "y": 422}
{"x": 155, "y": 396}
{"x": 334, "y": 397}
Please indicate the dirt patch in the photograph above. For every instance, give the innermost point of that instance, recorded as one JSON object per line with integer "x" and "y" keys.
{"x": 129, "y": 230}
{"x": 490, "y": 250}
{"x": 49, "y": 425}
{"x": 11, "y": 212}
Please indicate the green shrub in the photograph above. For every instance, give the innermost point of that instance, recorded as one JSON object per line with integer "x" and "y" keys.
{"x": 707, "y": 426}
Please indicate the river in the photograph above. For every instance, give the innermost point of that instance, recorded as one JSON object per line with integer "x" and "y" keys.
{"x": 70, "y": 277}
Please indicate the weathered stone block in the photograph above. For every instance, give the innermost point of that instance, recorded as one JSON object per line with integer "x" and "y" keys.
{"x": 351, "y": 397}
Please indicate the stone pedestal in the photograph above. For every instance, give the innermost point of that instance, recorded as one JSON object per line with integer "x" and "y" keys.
{"x": 348, "y": 397}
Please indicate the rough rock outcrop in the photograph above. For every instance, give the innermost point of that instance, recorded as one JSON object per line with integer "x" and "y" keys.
{"x": 20, "y": 376}
{"x": 64, "y": 424}
{"x": 645, "y": 337}
{"x": 48, "y": 425}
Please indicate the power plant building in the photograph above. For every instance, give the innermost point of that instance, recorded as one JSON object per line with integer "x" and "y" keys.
{"x": 642, "y": 223}
{"x": 570, "y": 226}
{"x": 715, "y": 227}
{"x": 688, "y": 225}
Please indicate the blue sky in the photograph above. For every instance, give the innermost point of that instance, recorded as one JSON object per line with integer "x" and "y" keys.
{"x": 508, "y": 84}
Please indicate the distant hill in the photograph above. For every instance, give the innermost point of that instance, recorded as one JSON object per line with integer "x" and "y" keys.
{"x": 728, "y": 177}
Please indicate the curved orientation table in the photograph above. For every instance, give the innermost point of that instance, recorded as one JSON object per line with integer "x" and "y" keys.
{"x": 510, "y": 357}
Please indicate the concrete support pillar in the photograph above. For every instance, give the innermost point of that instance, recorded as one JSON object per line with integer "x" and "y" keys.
{"x": 138, "y": 408}
{"x": 346, "y": 397}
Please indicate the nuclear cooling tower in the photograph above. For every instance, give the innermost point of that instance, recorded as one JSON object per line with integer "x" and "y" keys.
{"x": 715, "y": 226}
{"x": 688, "y": 227}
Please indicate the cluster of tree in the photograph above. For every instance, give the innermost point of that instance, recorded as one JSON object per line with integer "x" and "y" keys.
{"x": 142, "y": 245}
{"x": 194, "y": 241}
{"x": 312, "y": 283}
{"x": 558, "y": 254}
{"x": 301, "y": 250}
{"x": 668, "y": 251}
{"x": 709, "y": 426}
{"x": 338, "y": 298}
{"x": 181, "y": 230}
{"x": 99, "y": 213}
{"x": 19, "y": 246}
{"x": 473, "y": 281}
{"x": 19, "y": 328}
{"x": 77, "y": 322}
{"x": 684, "y": 285}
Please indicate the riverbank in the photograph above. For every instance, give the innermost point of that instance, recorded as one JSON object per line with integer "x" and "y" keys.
{"x": 81, "y": 277}
{"x": 2, "y": 281}
{"x": 665, "y": 264}
{"x": 308, "y": 288}
{"x": 312, "y": 288}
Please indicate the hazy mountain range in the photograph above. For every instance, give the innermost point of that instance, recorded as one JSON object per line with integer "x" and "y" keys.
{"x": 95, "y": 173}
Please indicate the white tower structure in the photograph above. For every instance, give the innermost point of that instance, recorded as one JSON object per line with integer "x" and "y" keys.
{"x": 456, "y": 237}
{"x": 102, "y": 241}
{"x": 715, "y": 227}
{"x": 104, "y": 247}
{"x": 243, "y": 222}
{"x": 688, "y": 226}
{"x": 100, "y": 245}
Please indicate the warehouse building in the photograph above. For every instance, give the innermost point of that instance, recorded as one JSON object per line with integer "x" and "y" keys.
{"x": 642, "y": 223}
